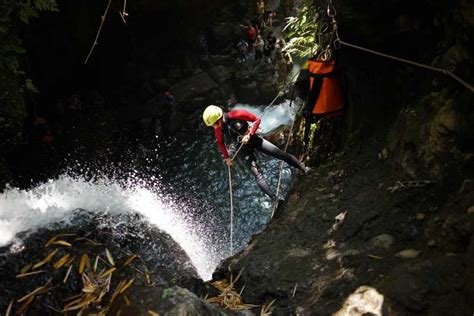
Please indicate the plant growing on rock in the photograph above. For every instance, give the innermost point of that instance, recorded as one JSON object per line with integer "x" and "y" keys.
{"x": 300, "y": 31}
{"x": 14, "y": 15}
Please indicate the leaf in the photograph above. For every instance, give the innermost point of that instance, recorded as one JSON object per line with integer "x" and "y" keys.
{"x": 61, "y": 243}
{"x": 58, "y": 264}
{"x": 9, "y": 308}
{"x": 127, "y": 285}
{"x": 129, "y": 260}
{"x": 109, "y": 257}
{"x": 83, "y": 263}
{"x": 67, "y": 274}
{"x": 30, "y": 273}
{"x": 30, "y": 86}
{"x": 46, "y": 260}
{"x": 106, "y": 273}
{"x": 165, "y": 294}
{"x": 26, "y": 268}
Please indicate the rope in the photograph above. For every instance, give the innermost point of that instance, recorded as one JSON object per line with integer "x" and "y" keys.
{"x": 335, "y": 42}
{"x": 98, "y": 31}
{"x": 286, "y": 147}
{"x": 235, "y": 155}
{"x": 444, "y": 71}
{"x": 231, "y": 213}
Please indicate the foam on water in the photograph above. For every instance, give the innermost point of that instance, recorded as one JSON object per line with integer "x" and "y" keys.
{"x": 277, "y": 115}
{"x": 54, "y": 201}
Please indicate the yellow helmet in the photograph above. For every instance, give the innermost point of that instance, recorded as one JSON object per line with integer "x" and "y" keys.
{"x": 211, "y": 115}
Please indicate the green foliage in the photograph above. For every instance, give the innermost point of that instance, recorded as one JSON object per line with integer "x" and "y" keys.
{"x": 300, "y": 31}
{"x": 30, "y": 8}
{"x": 14, "y": 15}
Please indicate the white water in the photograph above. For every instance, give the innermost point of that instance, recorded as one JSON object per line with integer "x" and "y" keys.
{"x": 54, "y": 201}
{"x": 277, "y": 115}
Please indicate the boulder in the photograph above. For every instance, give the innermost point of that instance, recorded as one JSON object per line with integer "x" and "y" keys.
{"x": 248, "y": 92}
{"x": 191, "y": 88}
{"x": 183, "y": 302}
{"x": 221, "y": 74}
{"x": 384, "y": 241}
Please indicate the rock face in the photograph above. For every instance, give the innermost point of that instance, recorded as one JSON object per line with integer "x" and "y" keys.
{"x": 194, "y": 87}
{"x": 157, "y": 265}
{"x": 344, "y": 244}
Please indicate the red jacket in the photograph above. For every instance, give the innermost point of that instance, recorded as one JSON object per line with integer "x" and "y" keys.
{"x": 237, "y": 115}
{"x": 251, "y": 33}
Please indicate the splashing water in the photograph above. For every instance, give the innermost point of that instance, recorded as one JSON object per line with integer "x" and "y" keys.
{"x": 55, "y": 201}
{"x": 202, "y": 232}
{"x": 275, "y": 116}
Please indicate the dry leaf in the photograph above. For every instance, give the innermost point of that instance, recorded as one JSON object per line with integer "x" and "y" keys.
{"x": 109, "y": 257}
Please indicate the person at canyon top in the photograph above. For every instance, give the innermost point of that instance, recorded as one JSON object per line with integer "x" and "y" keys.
{"x": 232, "y": 128}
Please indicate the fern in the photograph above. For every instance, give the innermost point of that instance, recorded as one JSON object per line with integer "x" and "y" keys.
{"x": 300, "y": 31}
{"x": 46, "y": 5}
{"x": 13, "y": 82}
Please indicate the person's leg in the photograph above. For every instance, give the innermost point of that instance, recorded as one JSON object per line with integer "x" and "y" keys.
{"x": 251, "y": 163}
{"x": 268, "y": 148}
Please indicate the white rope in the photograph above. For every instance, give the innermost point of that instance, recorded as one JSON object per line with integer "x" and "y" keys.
{"x": 235, "y": 155}
{"x": 231, "y": 214}
{"x": 444, "y": 71}
{"x": 281, "y": 162}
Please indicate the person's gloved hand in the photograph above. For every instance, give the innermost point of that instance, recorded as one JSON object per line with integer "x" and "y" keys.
{"x": 245, "y": 139}
{"x": 228, "y": 161}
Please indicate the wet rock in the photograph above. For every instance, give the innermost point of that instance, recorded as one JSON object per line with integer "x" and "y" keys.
{"x": 223, "y": 35}
{"x": 384, "y": 241}
{"x": 179, "y": 301}
{"x": 221, "y": 74}
{"x": 408, "y": 254}
{"x": 268, "y": 91}
{"x": 443, "y": 126}
{"x": 455, "y": 55}
{"x": 420, "y": 216}
{"x": 467, "y": 186}
{"x": 225, "y": 60}
{"x": 424, "y": 286}
{"x": 175, "y": 123}
{"x": 248, "y": 92}
{"x": 175, "y": 74}
{"x": 164, "y": 260}
{"x": 364, "y": 301}
{"x": 197, "y": 86}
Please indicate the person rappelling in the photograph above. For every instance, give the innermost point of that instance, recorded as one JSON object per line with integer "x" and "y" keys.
{"x": 233, "y": 128}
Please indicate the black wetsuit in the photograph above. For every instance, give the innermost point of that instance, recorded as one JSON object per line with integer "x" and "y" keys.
{"x": 235, "y": 126}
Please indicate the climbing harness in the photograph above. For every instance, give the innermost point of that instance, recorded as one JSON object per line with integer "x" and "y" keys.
{"x": 335, "y": 41}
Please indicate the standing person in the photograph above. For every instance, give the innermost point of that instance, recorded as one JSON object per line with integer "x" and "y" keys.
{"x": 233, "y": 128}
{"x": 261, "y": 12}
{"x": 251, "y": 34}
{"x": 259, "y": 44}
